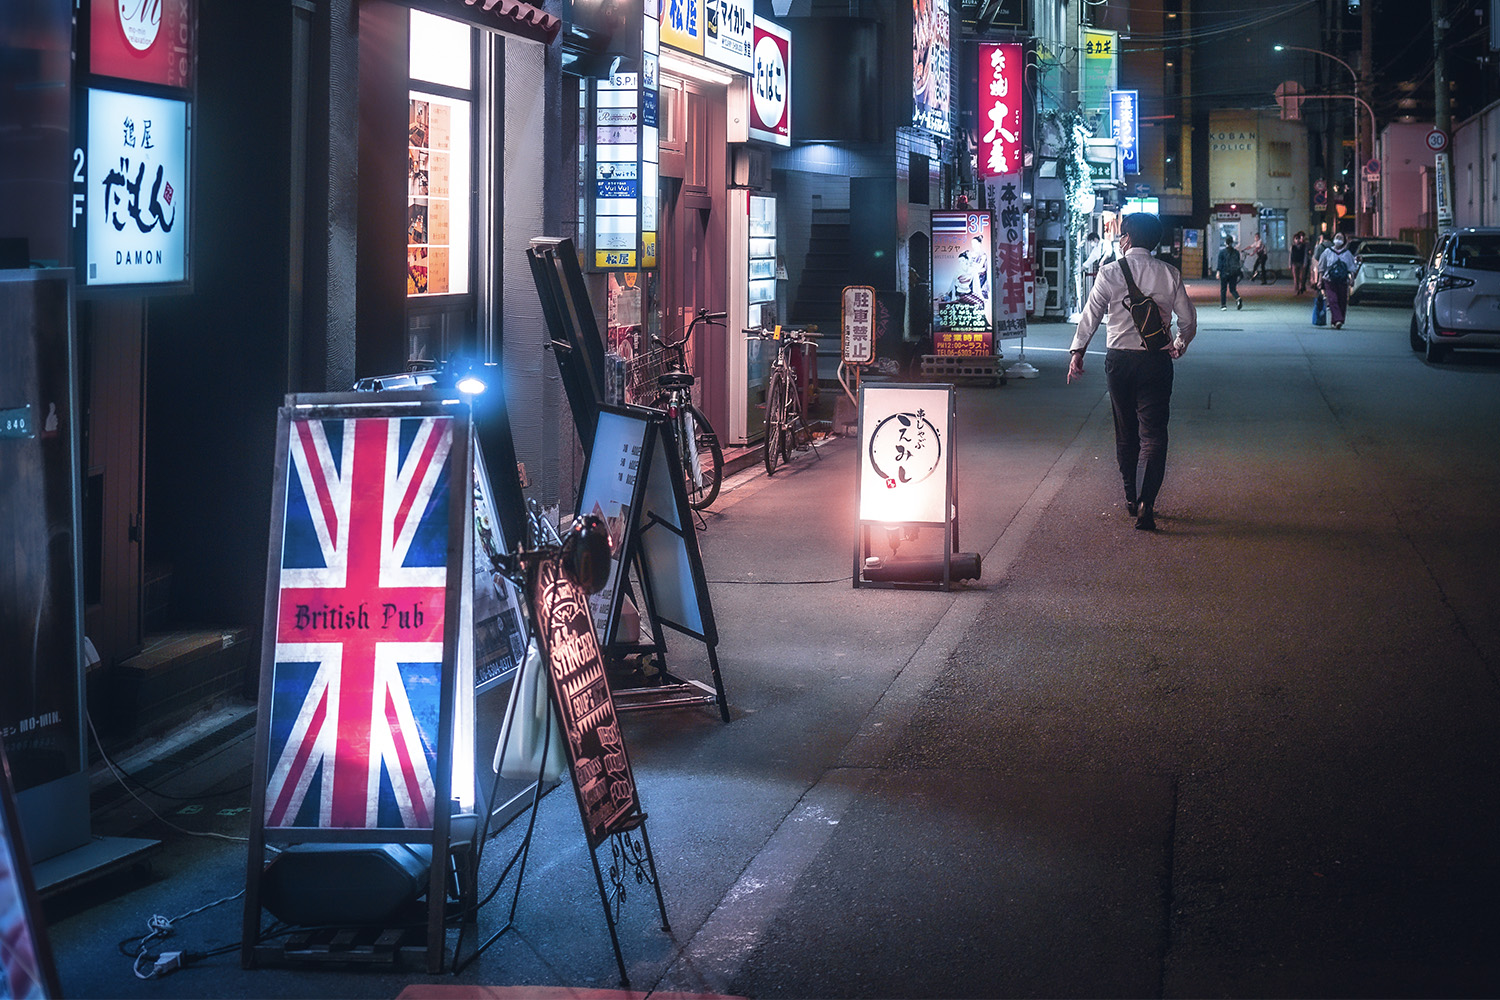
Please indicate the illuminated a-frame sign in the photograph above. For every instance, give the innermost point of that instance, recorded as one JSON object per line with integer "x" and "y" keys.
{"x": 365, "y": 583}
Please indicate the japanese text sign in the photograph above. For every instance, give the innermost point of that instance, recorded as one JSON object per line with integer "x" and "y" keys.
{"x": 728, "y": 33}
{"x": 903, "y": 453}
{"x": 682, "y": 25}
{"x": 136, "y": 198}
{"x": 1124, "y": 126}
{"x": 770, "y": 84}
{"x": 962, "y": 282}
{"x": 1000, "y": 136}
{"x": 931, "y": 66}
{"x": 859, "y": 324}
{"x": 1010, "y": 256}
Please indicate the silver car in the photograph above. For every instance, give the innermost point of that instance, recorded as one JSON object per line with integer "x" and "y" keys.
{"x": 1458, "y": 301}
{"x": 1386, "y": 269}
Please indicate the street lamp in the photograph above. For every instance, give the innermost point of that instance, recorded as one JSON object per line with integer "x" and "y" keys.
{"x": 1361, "y": 209}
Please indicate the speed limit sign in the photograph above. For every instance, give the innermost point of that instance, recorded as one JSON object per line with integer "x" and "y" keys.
{"x": 1437, "y": 140}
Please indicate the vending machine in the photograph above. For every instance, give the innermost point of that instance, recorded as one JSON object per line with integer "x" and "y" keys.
{"x": 754, "y": 273}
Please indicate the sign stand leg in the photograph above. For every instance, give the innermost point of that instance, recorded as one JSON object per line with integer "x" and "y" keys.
{"x": 609, "y": 918}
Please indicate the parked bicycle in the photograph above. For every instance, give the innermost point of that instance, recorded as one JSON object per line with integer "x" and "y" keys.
{"x": 787, "y": 428}
{"x": 697, "y": 442}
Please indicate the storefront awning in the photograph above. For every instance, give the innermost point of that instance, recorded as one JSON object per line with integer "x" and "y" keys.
{"x": 510, "y": 16}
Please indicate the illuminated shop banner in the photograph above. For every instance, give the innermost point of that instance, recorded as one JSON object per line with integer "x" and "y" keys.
{"x": 146, "y": 40}
{"x": 1124, "y": 127}
{"x": 137, "y": 193}
{"x": 962, "y": 283}
{"x": 903, "y": 458}
{"x": 682, "y": 25}
{"x": 770, "y": 84}
{"x": 729, "y": 32}
{"x": 1000, "y": 68}
{"x": 617, "y": 171}
{"x": 650, "y": 134}
{"x": 931, "y": 66}
{"x": 1010, "y": 255}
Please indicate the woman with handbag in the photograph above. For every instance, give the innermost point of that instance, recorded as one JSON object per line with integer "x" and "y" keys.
{"x": 1335, "y": 266}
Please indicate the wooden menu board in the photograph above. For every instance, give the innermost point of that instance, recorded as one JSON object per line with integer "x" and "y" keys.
{"x": 602, "y": 779}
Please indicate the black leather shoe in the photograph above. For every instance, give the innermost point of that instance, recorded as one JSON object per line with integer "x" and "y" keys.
{"x": 1146, "y": 521}
{"x": 1132, "y": 507}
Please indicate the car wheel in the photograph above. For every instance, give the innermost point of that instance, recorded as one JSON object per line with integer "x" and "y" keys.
{"x": 1417, "y": 343}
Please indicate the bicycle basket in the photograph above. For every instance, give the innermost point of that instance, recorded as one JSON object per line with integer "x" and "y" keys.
{"x": 641, "y": 373}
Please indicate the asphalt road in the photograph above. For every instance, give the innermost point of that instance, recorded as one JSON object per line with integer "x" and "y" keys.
{"x": 1251, "y": 754}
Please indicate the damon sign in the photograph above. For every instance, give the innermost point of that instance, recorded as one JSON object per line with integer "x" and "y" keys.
{"x": 1000, "y": 67}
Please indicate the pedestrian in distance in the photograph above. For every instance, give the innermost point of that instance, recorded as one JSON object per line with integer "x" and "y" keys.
{"x": 1257, "y": 250}
{"x": 1228, "y": 267}
{"x": 1335, "y": 266}
{"x": 1093, "y": 256}
{"x": 1298, "y": 255}
{"x": 1139, "y": 379}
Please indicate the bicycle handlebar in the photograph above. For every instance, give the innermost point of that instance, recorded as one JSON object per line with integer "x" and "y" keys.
{"x": 704, "y": 316}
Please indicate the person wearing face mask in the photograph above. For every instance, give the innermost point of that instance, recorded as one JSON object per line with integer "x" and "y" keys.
{"x": 1139, "y": 379}
{"x": 1333, "y": 269}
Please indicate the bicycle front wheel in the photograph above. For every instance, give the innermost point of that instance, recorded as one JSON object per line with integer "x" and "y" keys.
{"x": 775, "y": 417}
{"x": 705, "y": 455}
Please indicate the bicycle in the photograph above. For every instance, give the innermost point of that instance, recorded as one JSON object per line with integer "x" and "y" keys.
{"x": 697, "y": 442}
{"x": 787, "y": 429}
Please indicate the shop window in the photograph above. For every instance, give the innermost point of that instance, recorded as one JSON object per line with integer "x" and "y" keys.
{"x": 439, "y": 157}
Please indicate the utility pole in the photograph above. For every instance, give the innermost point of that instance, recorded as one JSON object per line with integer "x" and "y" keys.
{"x": 1442, "y": 120}
{"x": 1366, "y": 138}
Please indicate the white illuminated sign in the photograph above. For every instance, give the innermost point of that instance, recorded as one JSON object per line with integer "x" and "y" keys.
{"x": 730, "y": 34}
{"x": 137, "y": 190}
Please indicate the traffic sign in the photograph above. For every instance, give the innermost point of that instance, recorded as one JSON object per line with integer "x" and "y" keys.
{"x": 1437, "y": 140}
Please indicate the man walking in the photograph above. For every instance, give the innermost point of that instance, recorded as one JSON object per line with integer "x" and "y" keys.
{"x": 1228, "y": 267}
{"x": 1093, "y": 255}
{"x": 1298, "y": 257}
{"x": 1139, "y": 380}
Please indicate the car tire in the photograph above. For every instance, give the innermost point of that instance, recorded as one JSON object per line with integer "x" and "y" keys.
{"x": 1417, "y": 343}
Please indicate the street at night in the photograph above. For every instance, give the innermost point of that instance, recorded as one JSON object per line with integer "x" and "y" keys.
{"x": 1251, "y": 754}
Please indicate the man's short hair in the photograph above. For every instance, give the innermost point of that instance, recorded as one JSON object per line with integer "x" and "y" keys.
{"x": 1143, "y": 228}
{"x": 1092, "y": 236}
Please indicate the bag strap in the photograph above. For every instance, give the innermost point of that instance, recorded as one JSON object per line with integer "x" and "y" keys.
{"x": 1135, "y": 293}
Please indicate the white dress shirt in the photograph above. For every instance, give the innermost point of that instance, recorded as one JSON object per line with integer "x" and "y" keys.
{"x": 1157, "y": 280}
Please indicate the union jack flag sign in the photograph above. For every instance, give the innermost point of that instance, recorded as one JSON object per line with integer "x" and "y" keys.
{"x": 355, "y": 693}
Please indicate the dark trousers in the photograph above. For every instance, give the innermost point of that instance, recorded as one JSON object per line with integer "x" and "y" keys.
{"x": 1230, "y": 284}
{"x": 1299, "y": 278}
{"x": 1140, "y": 391}
{"x": 1337, "y": 294}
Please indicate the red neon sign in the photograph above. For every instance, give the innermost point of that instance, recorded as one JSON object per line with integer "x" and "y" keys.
{"x": 1000, "y": 67}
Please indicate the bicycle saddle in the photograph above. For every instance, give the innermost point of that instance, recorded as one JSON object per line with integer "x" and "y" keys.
{"x": 675, "y": 380}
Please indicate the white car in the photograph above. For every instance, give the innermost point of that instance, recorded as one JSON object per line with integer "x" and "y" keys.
{"x": 1386, "y": 269}
{"x": 1458, "y": 301}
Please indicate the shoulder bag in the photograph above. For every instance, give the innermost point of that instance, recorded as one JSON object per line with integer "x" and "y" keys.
{"x": 1145, "y": 313}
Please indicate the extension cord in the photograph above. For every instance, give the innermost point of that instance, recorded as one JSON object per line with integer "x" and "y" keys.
{"x": 167, "y": 961}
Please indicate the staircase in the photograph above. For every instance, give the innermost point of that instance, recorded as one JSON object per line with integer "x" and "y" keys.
{"x": 825, "y": 272}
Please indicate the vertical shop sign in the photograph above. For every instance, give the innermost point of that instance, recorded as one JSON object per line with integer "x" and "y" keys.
{"x": 1010, "y": 254}
{"x": 650, "y": 131}
{"x": 1124, "y": 127}
{"x": 137, "y": 157}
{"x": 617, "y": 180}
{"x": 1099, "y": 71}
{"x": 931, "y": 66}
{"x": 150, "y": 41}
{"x": 1000, "y": 67}
{"x": 963, "y": 286}
{"x": 770, "y": 84}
